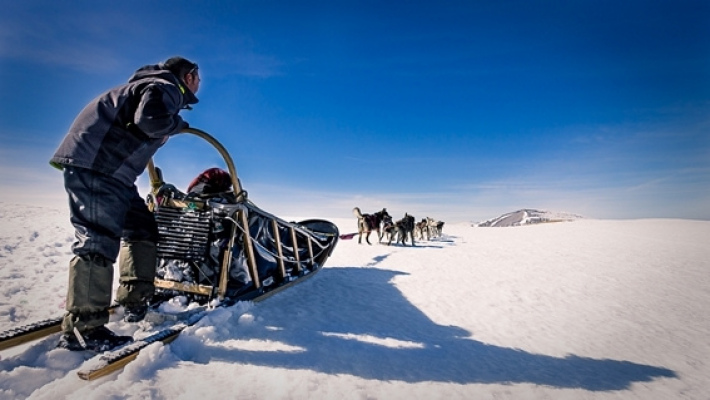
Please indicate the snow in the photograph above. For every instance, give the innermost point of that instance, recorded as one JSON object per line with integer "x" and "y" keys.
{"x": 590, "y": 309}
{"x": 528, "y": 217}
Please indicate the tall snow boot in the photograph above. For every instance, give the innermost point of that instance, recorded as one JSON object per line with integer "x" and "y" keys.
{"x": 89, "y": 293}
{"x": 88, "y": 300}
{"x": 137, "y": 261}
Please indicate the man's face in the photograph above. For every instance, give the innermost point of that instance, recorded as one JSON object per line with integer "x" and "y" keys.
{"x": 192, "y": 81}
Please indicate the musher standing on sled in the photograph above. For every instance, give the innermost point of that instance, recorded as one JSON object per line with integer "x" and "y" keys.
{"x": 108, "y": 146}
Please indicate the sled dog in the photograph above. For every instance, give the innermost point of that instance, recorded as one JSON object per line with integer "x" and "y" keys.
{"x": 404, "y": 229}
{"x": 388, "y": 228}
{"x": 367, "y": 223}
{"x": 435, "y": 227}
{"x": 422, "y": 229}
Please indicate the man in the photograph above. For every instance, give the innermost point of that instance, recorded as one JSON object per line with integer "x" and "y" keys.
{"x": 108, "y": 146}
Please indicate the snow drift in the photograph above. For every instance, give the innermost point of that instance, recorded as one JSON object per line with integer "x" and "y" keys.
{"x": 528, "y": 217}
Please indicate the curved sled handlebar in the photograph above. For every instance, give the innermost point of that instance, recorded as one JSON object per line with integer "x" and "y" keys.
{"x": 156, "y": 180}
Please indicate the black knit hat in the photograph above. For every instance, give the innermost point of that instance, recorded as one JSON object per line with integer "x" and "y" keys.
{"x": 179, "y": 66}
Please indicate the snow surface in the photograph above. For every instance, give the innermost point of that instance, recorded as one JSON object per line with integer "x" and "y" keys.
{"x": 591, "y": 309}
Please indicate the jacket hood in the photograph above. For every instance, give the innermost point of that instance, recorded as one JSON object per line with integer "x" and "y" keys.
{"x": 155, "y": 71}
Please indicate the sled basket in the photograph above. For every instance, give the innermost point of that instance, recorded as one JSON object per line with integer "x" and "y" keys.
{"x": 225, "y": 246}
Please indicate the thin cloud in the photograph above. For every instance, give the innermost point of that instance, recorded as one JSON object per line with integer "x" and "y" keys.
{"x": 60, "y": 42}
{"x": 250, "y": 64}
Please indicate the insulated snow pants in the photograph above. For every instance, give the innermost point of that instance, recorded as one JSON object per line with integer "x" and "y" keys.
{"x": 104, "y": 212}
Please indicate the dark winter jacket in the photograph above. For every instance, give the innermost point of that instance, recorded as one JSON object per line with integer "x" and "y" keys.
{"x": 119, "y": 131}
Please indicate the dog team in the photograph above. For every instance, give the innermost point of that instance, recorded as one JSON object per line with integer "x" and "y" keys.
{"x": 403, "y": 229}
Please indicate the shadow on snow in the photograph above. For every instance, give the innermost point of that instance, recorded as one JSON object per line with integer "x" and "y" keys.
{"x": 355, "y": 321}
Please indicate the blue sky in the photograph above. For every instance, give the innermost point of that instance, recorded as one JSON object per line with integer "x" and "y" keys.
{"x": 458, "y": 110}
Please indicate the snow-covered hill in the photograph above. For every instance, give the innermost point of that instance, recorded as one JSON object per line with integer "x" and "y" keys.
{"x": 588, "y": 310}
{"x": 528, "y": 217}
